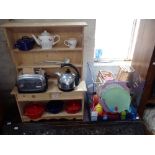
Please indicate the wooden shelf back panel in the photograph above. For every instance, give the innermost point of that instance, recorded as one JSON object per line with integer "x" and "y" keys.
{"x": 46, "y": 66}
{"x": 65, "y": 33}
{"x": 41, "y": 29}
{"x": 63, "y": 37}
{"x": 37, "y": 58}
{"x": 52, "y": 70}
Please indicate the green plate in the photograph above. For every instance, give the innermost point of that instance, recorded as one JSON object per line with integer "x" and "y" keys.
{"x": 116, "y": 97}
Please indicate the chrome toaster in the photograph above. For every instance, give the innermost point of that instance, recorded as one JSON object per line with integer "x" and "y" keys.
{"x": 32, "y": 83}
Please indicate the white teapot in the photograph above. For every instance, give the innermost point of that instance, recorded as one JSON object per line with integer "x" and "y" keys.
{"x": 46, "y": 40}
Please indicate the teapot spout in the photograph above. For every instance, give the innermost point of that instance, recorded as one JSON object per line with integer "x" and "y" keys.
{"x": 36, "y": 40}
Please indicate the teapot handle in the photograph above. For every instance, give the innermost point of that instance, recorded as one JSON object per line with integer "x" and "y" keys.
{"x": 58, "y": 39}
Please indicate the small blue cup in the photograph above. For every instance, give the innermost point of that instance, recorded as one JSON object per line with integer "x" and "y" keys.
{"x": 25, "y": 43}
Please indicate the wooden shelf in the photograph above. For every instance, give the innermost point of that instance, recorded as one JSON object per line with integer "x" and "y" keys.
{"x": 60, "y": 115}
{"x": 47, "y": 24}
{"x": 47, "y": 65}
{"x": 53, "y": 93}
{"x": 48, "y": 50}
{"x": 36, "y": 57}
{"x": 52, "y": 87}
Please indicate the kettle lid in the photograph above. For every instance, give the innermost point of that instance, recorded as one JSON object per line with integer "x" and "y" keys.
{"x": 68, "y": 71}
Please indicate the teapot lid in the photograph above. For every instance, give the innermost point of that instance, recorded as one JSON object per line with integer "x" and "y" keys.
{"x": 45, "y": 33}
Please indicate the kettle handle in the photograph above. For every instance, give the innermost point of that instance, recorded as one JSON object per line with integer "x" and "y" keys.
{"x": 77, "y": 78}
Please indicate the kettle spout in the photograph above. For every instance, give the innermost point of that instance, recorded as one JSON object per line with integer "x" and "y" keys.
{"x": 58, "y": 74}
{"x": 36, "y": 40}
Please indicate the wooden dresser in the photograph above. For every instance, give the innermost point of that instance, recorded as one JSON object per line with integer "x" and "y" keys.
{"x": 33, "y": 58}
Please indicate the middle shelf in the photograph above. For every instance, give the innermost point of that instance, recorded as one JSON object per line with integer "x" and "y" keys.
{"x": 45, "y": 66}
{"x": 53, "y": 93}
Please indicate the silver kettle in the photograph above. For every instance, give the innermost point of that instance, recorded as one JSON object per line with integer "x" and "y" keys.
{"x": 67, "y": 81}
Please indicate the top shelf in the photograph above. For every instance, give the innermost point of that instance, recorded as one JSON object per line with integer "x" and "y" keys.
{"x": 52, "y": 24}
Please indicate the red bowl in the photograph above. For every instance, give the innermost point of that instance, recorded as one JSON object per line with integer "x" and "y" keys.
{"x": 34, "y": 111}
{"x": 73, "y": 107}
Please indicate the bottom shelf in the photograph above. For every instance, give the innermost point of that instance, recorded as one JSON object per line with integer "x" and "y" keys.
{"x": 62, "y": 115}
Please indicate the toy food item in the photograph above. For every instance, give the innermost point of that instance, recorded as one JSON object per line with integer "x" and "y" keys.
{"x": 98, "y": 108}
{"x": 123, "y": 115}
{"x": 113, "y": 116}
{"x": 104, "y": 115}
{"x": 95, "y": 99}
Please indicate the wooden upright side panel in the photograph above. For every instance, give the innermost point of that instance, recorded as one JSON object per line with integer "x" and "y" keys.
{"x": 144, "y": 47}
{"x": 10, "y": 43}
{"x": 149, "y": 82}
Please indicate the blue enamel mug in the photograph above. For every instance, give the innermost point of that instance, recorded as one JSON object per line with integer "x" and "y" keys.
{"x": 25, "y": 43}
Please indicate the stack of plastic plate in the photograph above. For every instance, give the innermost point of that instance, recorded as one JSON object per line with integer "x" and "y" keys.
{"x": 115, "y": 96}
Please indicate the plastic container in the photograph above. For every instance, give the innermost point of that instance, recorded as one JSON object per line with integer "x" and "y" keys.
{"x": 131, "y": 80}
